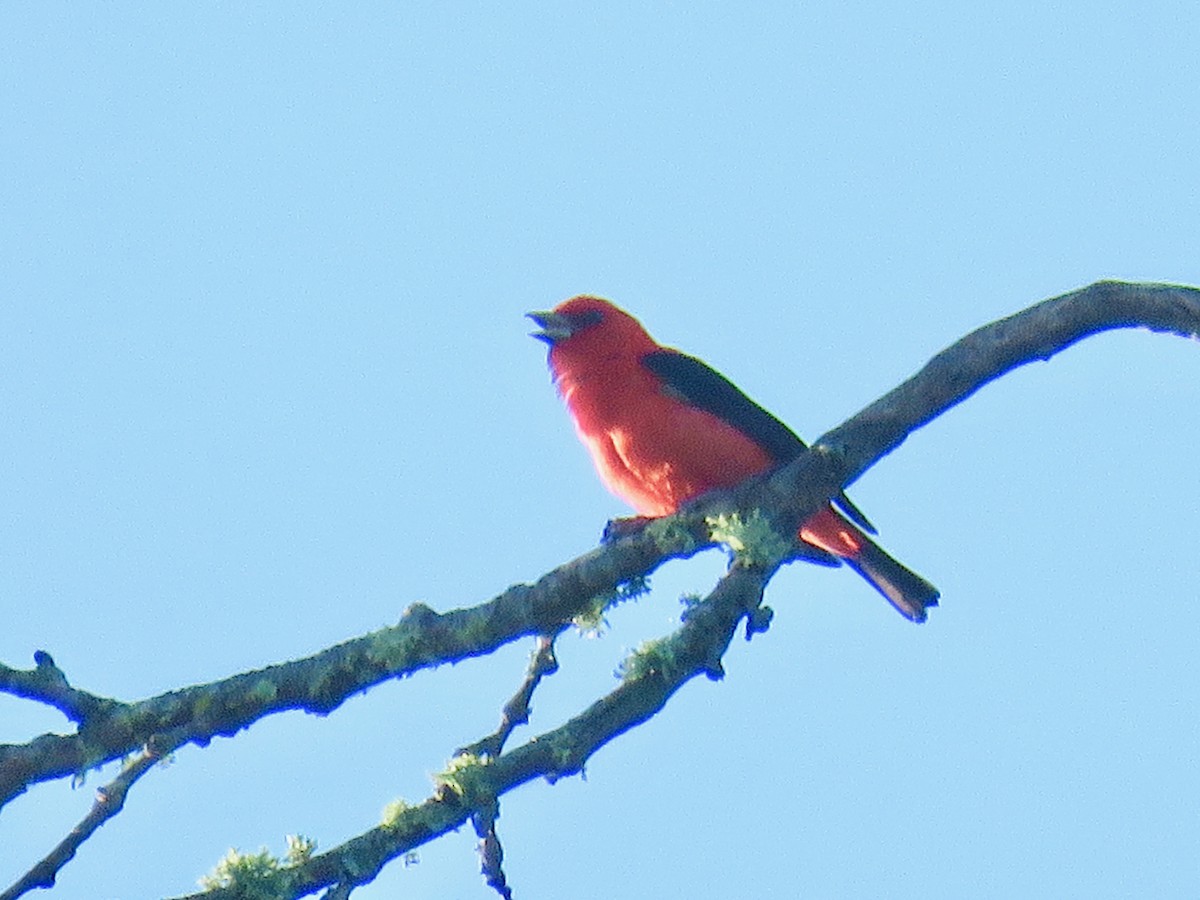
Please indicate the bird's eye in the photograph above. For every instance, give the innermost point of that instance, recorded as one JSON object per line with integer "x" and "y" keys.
{"x": 587, "y": 319}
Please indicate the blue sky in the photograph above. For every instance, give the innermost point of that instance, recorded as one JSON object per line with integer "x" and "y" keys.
{"x": 266, "y": 381}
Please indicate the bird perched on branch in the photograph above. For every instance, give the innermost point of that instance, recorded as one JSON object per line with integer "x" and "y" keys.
{"x": 663, "y": 428}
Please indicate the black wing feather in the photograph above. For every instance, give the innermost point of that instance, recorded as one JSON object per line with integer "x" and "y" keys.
{"x": 705, "y": 388}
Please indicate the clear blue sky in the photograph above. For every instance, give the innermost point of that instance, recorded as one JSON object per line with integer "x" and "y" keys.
{"x": 264, "y": 381}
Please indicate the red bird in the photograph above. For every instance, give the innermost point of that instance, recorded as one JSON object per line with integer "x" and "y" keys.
{"x": 663, "y": 428}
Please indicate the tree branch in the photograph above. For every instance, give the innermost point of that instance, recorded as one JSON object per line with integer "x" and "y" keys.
{"x": 109, "y": 801}
{"x": 320, "y": 683}
{"x": 109, "y": 729}
{"x": 542, "y": 662}
{"x": 47, "y": 684}
{"x": 1032, "y": 335}
{"x": 653, "y": 675}
{"x": 843, "y": 454}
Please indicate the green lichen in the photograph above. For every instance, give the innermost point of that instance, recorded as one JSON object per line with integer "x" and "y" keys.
{"x": 330, "y": 680}
{"x": 261, "y": 875}
{"x": 563, "y": 756}
{"x": 393, "y": 813}
{"x": 203, "y": 703}
{"x": 393, "y": 648}
{"x": 654, "y": 657}
{"x": 591, "y": 621}
{"x": 465, "y": 776}
{"x": 299, "y": 849}
{"x": 264, "y": 691}
{"x": 753, "y": 539}
{"x": 250, "y": 876}
{"x": 669, "y": 536}
{"x": 94, "y": 758}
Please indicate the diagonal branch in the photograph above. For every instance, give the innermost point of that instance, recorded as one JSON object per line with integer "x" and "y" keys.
{"x": 322, "y": 682}
{"x": 694, "y": 649}
{"x": 109, "y": 801}
{"x": 1037, "y": 333}
{"x": 1032, "y": 335}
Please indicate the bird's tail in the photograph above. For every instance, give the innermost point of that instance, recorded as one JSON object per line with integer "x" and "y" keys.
{"x": 904, "y": 589}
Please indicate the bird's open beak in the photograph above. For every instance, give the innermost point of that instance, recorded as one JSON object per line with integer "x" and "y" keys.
{"x": 554, "y": 327}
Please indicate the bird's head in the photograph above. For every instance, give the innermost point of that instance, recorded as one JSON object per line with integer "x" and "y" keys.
{"x": 588, "y": 329}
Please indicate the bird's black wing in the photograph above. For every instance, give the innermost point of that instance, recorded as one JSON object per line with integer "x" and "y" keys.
{"x": 705, "y": 388}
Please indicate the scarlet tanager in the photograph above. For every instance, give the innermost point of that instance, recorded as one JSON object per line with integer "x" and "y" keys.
{"x": 663, "y": 428}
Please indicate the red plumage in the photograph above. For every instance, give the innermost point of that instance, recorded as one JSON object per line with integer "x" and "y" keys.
{"x": 663, "y": 428}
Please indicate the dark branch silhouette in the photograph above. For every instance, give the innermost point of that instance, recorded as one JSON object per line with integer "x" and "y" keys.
{"x": 145, "y": 730}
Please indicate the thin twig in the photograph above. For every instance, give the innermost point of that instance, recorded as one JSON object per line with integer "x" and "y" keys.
{"x": 47, "y": 684}
{"x": 110, "y": 800}
{"x": 542, "y": 662}
{"x": 491, "y": 854}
